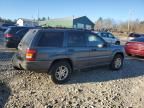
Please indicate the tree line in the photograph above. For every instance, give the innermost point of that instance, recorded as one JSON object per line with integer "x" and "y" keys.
{"x": 9, "y": 21}
{"x": 107, "y": 24}
{"x": 114, "y": 26}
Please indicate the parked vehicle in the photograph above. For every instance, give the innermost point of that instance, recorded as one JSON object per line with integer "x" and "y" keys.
{"x": 13, "y": 35}
{"x": 134, "y": 35}
{"x": 4, "y": 27}
{"x": 109, "y": 37}
{"x": 135, "y": 47}
{"x": 60, "y": 51}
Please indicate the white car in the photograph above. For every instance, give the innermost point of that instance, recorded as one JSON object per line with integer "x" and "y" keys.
{"x": 108, "y": 37}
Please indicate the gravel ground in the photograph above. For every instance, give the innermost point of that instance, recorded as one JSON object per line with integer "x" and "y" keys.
{"x": 93, "y": 88}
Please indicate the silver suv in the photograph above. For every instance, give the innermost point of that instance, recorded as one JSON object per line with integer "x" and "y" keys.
{"x": 61, "y": 51}
{"x": 109, "y": 37}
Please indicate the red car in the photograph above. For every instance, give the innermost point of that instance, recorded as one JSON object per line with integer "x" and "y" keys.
{"x": 135, "y": 47}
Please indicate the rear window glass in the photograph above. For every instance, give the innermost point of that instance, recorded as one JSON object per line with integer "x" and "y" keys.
{"x": 13, "y": 30}
{"x": 51, "y": 39}
{"x": 138, "y": 40}
{"x": 22, "y": 32}
{"x": 134, "y": 35}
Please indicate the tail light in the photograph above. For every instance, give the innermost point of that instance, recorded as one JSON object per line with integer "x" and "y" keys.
{"x": 30, "y": 54}
{"x": 8, "y": 35}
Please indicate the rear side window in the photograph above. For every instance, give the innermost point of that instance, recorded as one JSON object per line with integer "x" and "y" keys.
{"x": 28, "y": 37}
{"x": 51, "y": 39}
{"x": 76, "y": 39}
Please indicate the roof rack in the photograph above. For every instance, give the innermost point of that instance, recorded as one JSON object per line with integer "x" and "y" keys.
{"x": 49, "y": 27}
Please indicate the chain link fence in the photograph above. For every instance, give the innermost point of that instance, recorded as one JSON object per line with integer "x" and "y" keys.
{"x": 6, "y": 69}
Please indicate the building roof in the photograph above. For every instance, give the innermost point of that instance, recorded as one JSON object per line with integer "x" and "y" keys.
{"x": 58, "y": 22}
{"x": 64, "y": 22}
{"x": 84, "y": 18}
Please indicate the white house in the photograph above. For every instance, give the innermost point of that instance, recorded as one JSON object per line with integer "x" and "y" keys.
{"x": 26, "y": 22}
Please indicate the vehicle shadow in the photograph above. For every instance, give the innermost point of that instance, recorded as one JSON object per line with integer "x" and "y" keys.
{"x": 133, "y": 67}
{"x": 4, "y": 94}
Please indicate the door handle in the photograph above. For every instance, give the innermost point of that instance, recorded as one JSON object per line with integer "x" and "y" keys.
{"x": 70, "y": 50}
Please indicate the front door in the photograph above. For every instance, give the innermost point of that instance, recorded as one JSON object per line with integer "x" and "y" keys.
{"x": 100, "y": 53}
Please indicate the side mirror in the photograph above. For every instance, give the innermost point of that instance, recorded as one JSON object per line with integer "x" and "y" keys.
{"x": 103, "y": 45}
{"x": 100, "y": 45}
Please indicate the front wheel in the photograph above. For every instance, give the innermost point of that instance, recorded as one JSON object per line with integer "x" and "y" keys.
{"x": 61, "y": 72}
{"x": 117, "y": 43}
{"x": 129, "y": 54}
{"x": 117, "y": 62}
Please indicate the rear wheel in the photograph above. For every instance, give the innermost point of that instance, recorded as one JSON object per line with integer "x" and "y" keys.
{"x": 13, "y": 63}
{"x": 61, "y": 72}
{"x": 117, "y": 62}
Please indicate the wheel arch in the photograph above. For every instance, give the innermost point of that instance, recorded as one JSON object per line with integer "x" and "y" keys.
{"x": 62, "y": 59}
{"x": 119, "y": 53}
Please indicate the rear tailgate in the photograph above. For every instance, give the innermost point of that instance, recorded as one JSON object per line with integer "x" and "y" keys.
{"x": 26, "y": 43}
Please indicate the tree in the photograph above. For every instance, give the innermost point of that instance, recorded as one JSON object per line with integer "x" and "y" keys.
{"x": 99, "y": 24}
{"x": 43, "y": 19}
{"x": 48, "y": 18}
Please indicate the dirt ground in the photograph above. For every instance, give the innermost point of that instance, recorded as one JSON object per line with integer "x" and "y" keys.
{"x": 92, "y": 88}
{"x": 98, "y": 87}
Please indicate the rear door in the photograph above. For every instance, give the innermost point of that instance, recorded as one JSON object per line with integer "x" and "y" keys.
{"x": 50, "y": 45}
{"x": 77, "y": 48}
{"x": 100, "y": 53}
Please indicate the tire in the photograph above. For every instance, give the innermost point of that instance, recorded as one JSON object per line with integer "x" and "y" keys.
{"x": 129, "y": 54}
{"x": 55, "y": 72}
{"x": 117, "y": 43}
{"x": 13, "y": 63}
{"x": 117, "y": 62}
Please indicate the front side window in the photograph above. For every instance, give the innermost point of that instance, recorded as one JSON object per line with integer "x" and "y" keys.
{"x": 94, "y": 40}
{"x": 104, "y": 35}
{"x": 51, "y": 39}
{"x": 76, "y": 39}
{"x": 110, "y": 35}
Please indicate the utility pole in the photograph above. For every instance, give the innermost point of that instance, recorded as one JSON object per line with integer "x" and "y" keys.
{"x": 129, "y": 20}
{"x": 38, "y": 16}
{"x": 129, "y": 15}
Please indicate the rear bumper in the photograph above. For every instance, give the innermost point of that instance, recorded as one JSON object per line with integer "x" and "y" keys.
{"x": 32, "y": 65}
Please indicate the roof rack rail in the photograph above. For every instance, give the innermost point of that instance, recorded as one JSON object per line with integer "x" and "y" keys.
{"x": 49, "y": 27}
